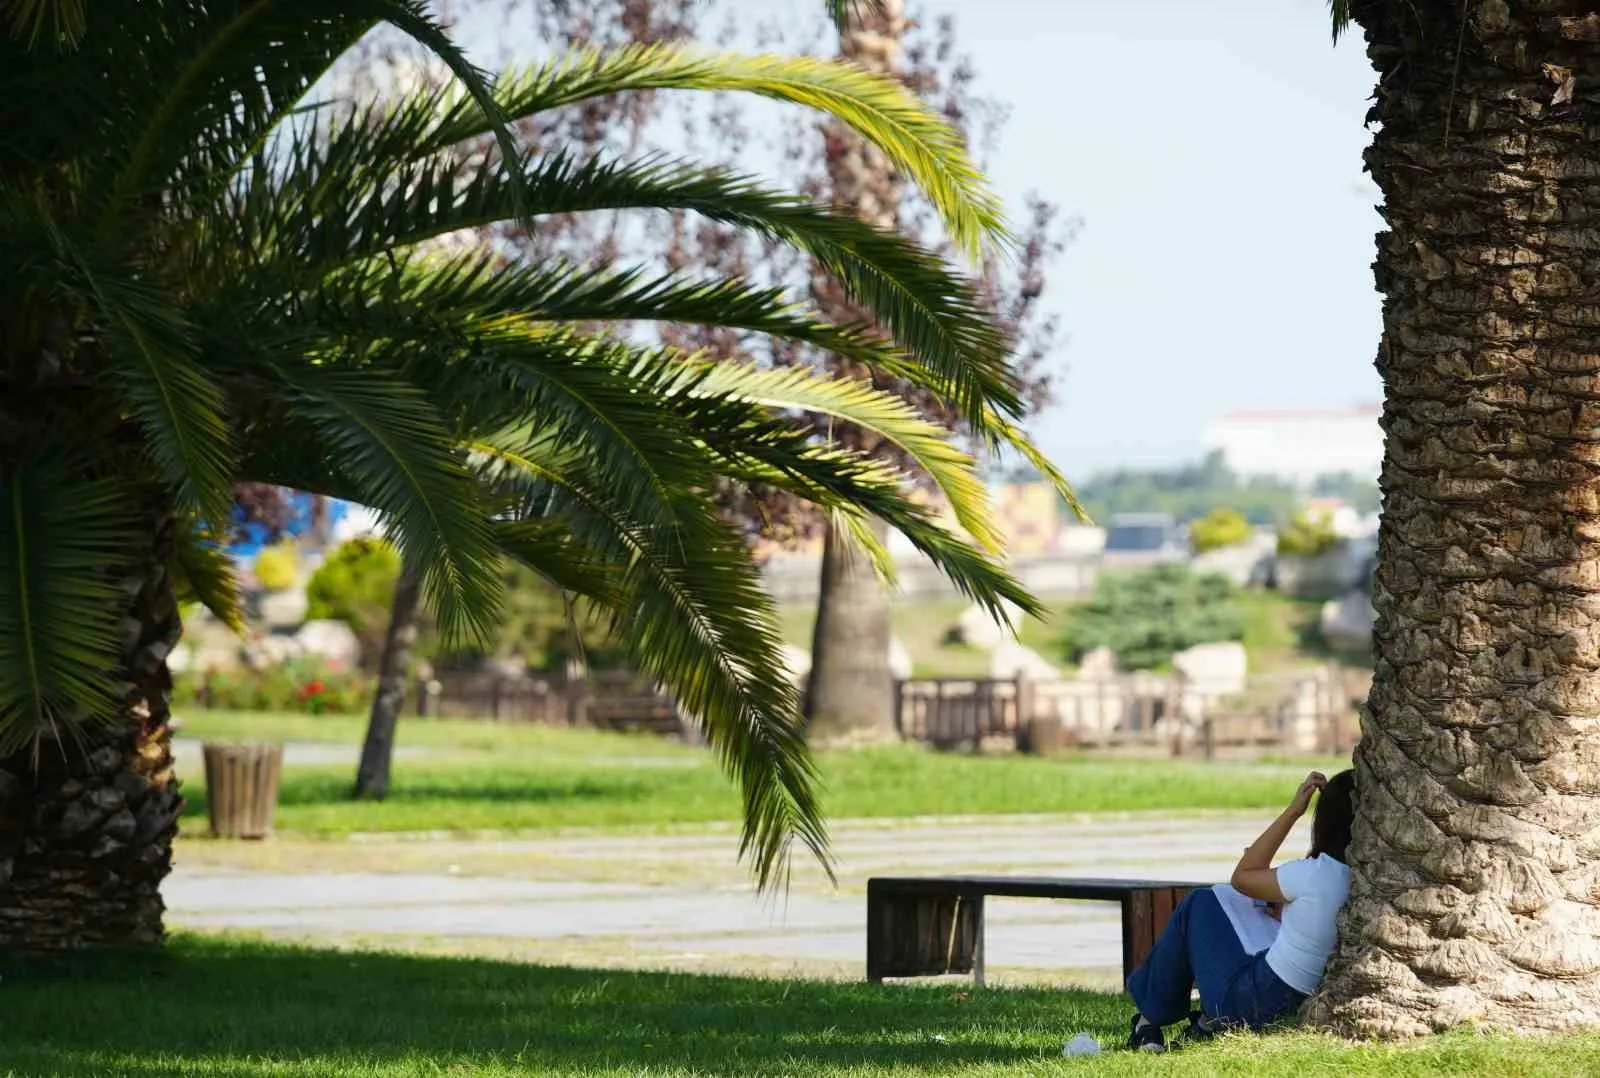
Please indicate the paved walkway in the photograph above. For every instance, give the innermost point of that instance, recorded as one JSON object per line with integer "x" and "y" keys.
{"x": 575, "y": 899}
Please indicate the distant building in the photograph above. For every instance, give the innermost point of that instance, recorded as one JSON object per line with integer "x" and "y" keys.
{"x": 1299, "y": 445}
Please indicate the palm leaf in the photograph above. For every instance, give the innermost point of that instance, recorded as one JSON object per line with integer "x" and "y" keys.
{"x": 855, "y": 486}
{"x": 932, "y": 313}
{"x": 59, "y": 21}
{"x": 841, "y": 11}
{"x": 205, "y": 572}
{"x": 164, "y": 389}
{"x": 392, "y": 445}
{"x": 922, "y": 143}
{"x": 546, "y": 546}
{"x": 858, "y": 403}
{"x": 695, "y": 615}
{"x": 1340, "y": 12}
{"x": 62, "y": 535}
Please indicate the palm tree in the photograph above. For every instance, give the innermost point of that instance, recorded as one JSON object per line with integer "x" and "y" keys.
{"x": 211, "y": 280}
{"x": 1475, "y": 854}
{"x": 850, "y": 691}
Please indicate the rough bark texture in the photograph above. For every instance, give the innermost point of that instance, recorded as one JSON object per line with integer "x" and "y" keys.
{"x": 87, "y": 823}
{"x": 1476, "y": 856}
{"x": 851, "y": 689}
{"x": 377, "y": 751}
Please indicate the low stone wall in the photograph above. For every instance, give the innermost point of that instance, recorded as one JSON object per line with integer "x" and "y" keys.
{"x": 792, "y": 578}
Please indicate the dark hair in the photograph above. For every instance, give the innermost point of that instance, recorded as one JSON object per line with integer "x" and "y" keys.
{"x": 1330, "y": 826}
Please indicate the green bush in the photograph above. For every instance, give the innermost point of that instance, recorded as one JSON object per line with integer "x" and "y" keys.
{"x": 309, "y": 685}
{"x": 1218, "y": 529}
{"x": 1307, "y": 536}
{"x": 355, "y": 585}
{"x": 1146, "y": 617}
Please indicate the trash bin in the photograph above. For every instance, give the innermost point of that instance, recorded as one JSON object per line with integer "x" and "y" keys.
{"x": 242, "y": 788}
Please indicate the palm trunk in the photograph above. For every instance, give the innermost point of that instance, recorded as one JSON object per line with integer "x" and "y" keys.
{"x": 851, "y": 690}
{"x": 1476, "y": 856}
{"x": 377, "y": 751}
{"x": 87, "y": 822}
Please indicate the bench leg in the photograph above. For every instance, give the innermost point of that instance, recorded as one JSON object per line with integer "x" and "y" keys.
{"x": 874, "y": 934}
{"x": 978, "y": 947}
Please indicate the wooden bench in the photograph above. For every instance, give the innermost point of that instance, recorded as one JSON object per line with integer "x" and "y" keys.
{"x": 926, "y": 926}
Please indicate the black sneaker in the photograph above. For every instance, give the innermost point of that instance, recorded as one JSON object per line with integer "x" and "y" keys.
{"x": 1146, "y": 1037}
{"x": 1200, "y": 1028}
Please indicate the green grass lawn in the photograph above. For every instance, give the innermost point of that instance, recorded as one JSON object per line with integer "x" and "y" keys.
{"x": 482, "y": 776}
{"x": 217, "y": 1007}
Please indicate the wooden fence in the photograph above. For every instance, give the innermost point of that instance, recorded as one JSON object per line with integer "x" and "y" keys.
{"x": 1312, "y": 711}
{"x": 607, "y": 701}
{"x": 1309, "y": 711}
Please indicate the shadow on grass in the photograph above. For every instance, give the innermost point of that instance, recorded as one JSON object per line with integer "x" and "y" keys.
{"x": 219, "y": 1007}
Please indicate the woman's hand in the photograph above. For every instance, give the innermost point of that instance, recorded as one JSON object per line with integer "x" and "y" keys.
{"x": 1302, "y": 797}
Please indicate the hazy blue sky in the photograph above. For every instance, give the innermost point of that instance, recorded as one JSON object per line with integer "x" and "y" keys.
{"x": 1213, "y": 153}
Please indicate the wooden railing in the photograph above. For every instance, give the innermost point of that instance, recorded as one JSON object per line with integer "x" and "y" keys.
{"x": 609, "y": 701}
{"x": 1311, "y": 711}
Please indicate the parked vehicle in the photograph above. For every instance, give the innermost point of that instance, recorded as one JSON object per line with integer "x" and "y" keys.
{"x": 1134, "y": 540}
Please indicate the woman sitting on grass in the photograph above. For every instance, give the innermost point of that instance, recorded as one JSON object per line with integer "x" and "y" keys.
{"x": 1202, "y": 944}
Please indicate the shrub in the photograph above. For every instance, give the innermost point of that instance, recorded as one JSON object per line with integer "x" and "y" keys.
{"x": 1146, "y": 617}
{"x": 308, "y": 685}
{"x": 1307, "y": 536}
{"x": 355, "y": 585}
{"x": 1218, "y": 529}
{"x": 278, "y": 567}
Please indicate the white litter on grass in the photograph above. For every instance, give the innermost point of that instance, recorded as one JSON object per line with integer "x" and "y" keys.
{"x": 940, "y": 1038}
{"x": 1081, "y": 1045}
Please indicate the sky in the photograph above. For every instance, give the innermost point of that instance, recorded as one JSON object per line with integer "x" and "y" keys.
{"x": 1212, "y": 153}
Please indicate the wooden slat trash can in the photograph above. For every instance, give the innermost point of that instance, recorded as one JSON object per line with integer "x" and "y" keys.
{"x": 242, "y": 788}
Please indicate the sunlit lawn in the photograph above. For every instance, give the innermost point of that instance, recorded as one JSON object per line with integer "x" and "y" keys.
{"x": 217, "y": 1007}
{"x": 483, "y": 776}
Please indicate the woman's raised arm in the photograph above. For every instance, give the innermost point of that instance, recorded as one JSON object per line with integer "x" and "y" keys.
{"x": 1253, "y": 875}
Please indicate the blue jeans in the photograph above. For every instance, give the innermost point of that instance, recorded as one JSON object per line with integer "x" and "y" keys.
{"x": 1199, "y": 948}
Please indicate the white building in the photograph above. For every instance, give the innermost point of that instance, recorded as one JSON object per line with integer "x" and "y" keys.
{"x": 1299, "y": 445}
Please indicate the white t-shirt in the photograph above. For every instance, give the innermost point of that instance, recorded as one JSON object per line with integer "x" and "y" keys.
{"x": 1314, "y": 890}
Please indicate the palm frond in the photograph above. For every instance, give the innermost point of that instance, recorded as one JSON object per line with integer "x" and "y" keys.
{"x": 62, "y": 535}
{"x": 841, "y": 11}
{"x": 478, "y": 287}
{"x": 215, "y": 81}
{"x": 933, "y": 314}
{"x": 165, "y": 390}
{"x": 205, "y": 572}
{"x": 546, "y": 546}
{"x": 61, "y": 22}
{"x": 927, "y": 444}
{"x": 384, "y": 435}
{"x": 695, "y": 615}
{"x": 1339, "y": 10}
{"x": 845, "y": 482}
{"x": 918, "y": 140}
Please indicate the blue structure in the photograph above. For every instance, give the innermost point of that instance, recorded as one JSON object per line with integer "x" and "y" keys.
{"x": 253, "y": 536}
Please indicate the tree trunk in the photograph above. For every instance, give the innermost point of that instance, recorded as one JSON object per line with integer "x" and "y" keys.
{"x": 1476, "y": 852}
{"x": 377, "y": 751}
{"x": 87, "y": 822}
{"x": 851, "y": 689}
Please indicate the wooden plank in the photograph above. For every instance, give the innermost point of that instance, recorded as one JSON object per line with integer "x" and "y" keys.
{"x": 1138, "y": 929}
{"x": 1089, "y": 889}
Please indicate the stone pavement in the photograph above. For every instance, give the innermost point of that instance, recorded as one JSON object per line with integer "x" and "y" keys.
{"x": 576, "y": 899}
